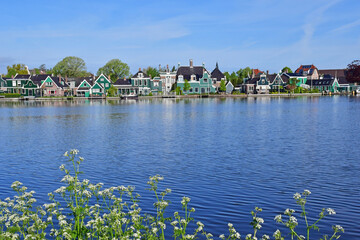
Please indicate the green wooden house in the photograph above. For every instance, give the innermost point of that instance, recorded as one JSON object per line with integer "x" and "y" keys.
{"x": 326, "y": 84}
{"x": 198, "y": 77}
{"x": 142, "y": 82}
{"x": 83, "y": 89}
{"x": 3, "y": 85}
{"x": 104, "y": 82}
{"x": 23, "y": 85}
{"x": 97, "y": 90}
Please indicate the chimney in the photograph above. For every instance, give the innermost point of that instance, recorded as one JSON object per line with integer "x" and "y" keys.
{"x": 203, "y": 64}
{"x": 267, "y": 72}
{"x": 191, "y": 63}
{"x": 167, "y": 66}
{"x": 66, "y": 78}
{"x": 286, "y": 70}
{"x": 253, "y": 73}
{"x": 139, "y": 69}
{"x": 59, "y": 76}
{"x": 159, "y": 67}
{"x": 178, "y": 64}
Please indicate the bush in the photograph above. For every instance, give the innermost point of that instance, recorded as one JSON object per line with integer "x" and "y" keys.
{"x": 92, "y": 212}
{"x": 11, "y": 95}
{"x": 150, "y": 94}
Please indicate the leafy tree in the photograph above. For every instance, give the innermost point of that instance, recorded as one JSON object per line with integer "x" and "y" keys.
{"x": 286, "y": 69}
{"x": 187, "y": 85}
{"x": 353, "y": 72}
{"x": 227, "y": 75}
{"x": 16, "y": 69}
{"x": 71, "y": 67}
{"x": 222, "y": 86}
{"x": 234, "y": 79}
{"x": 112, "y": 91}
{"x": 115, "y": 69}
{"x": 152, "y": 72}
{"x": 42, "y": 67}
{"x": 243, "y": 73}
{"x": 291, "y": 86}
{"x": 173, "y": 69}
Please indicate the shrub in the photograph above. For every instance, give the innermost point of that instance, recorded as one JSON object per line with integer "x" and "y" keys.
{"x": 92, "y": 212}
{"x": 11, "y": 95}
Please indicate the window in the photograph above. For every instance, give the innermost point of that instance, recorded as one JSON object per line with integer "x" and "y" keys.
{"x": 106, "y": 85}
{"x": 145, "y": 82}
{"x": 208, "y": 89}
{"x": 135, "y": 82}
{"x": 140, "y": 82}
{"x": 205, "y": 80}
{"x": 196, "y": 90}
{"x": 14, "y": 83}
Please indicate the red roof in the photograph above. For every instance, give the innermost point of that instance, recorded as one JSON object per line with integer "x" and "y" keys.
{"x": 257, "y": 71}
{"x": 305, "y": 68}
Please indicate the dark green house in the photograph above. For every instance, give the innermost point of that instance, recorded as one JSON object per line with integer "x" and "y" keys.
{"x": 23, "y": 85}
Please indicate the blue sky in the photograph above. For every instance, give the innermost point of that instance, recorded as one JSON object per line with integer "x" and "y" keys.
{"x": 264, "y": 34}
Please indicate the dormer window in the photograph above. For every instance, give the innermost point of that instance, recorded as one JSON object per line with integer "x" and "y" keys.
{"x": 181, "y": 78}
{"x": 193, "y": 77}
{"x": 141, "y": 75}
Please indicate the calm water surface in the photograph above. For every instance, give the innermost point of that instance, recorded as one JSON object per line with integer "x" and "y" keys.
{"x": 227, "y": 155}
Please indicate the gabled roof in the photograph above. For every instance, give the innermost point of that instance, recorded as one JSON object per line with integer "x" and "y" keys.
{"x": 123, "y": 82}
{"x": 291, "y": 75}
{"x": 78, "y": 81}
{"x": 334, "y": 72}
{"x": 271, "y": 77}
{"x": 137, "y": 74}
{"x": 186, "y": 71}
{"x": 22, "y": 76}
{"x": 304, "y": 68}
{"x": 257, "y": 72}
{"x": 217, "y": 74}
{"x": 320, "y": 82}
{"x": 252, "y": 80}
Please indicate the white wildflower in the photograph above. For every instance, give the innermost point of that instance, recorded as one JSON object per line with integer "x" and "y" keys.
{"x": 297, "y": 196}
{"x": 265, "y": 237}
{"x": 330, "y": 211}
{"x": 306, "y": 192}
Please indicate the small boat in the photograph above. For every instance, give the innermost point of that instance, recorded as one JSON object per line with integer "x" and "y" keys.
{"x": 129, "y": 96}
{"x": 357, "y": 91}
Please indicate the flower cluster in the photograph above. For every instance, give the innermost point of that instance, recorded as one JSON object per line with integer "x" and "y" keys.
{"x": 94, "y": 212}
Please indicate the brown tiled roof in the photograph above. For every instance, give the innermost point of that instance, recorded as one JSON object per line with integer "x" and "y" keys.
{"x": 333, "y": 72}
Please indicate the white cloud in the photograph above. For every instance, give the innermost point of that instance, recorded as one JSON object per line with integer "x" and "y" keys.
{"x": 348, "y": 26}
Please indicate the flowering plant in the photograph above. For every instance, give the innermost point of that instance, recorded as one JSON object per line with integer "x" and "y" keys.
{"x": 82, "y": 210}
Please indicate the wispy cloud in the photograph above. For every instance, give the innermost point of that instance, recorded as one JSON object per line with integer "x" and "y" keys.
{"x": 348, "y": 26}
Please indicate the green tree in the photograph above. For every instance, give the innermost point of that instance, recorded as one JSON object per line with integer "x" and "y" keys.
{"x": 71, "y": 67}
{"x": 115, "y": 69}
{"x": 286, "y": 69}
{"x": 243, "y": 73}
{"x": 234, "y": 79}
{"x": 112, "y": 91}
{"x": 222, "y": 86}
{"x": 152, "y": 72}
{"x": 173, "y": 69}
{"x": 187, "y": 85}
{"x": 16, "y": 69}
{"x": 292, "y": 85}
{"x": 227, "y": 75}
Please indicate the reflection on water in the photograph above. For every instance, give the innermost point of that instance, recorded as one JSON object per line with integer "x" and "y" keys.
{"x": 228, "y": 154}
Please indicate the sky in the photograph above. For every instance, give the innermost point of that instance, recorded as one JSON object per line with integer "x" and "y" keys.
{"x": 264, "y": 34}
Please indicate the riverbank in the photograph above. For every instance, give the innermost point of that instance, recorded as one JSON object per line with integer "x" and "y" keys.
{"x": 178, "y": 97}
